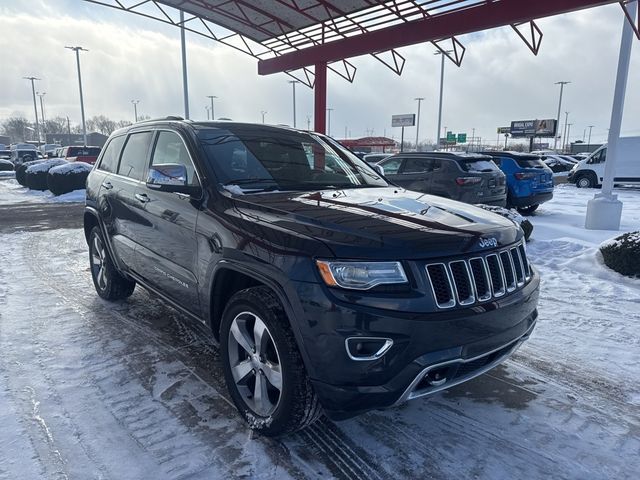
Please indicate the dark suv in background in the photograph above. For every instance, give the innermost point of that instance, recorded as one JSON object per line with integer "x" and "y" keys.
{"x": 469, "y": 178}
{"x": 327, "y": 288}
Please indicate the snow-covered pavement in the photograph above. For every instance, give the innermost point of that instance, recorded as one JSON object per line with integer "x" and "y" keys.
{"x": 90, "y": 389}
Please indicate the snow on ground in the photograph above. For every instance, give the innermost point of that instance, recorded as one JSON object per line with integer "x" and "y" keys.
{"x": 11, "y": 192}
{"x": 91, "y": 389}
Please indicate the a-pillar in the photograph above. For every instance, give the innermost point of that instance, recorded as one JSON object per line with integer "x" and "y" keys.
{"x": 320, "y": 98}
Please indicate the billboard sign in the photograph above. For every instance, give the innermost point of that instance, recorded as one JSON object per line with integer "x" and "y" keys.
{"x": 533, "y": 128}
{"x": 406, "y": 120}
{"x": 503, "y": 130}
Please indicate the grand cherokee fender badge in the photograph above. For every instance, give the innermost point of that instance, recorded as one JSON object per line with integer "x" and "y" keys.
{"x": 488, "y": 242}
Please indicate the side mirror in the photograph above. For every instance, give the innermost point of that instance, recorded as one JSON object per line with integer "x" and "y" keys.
{"x": 170, "y": 177}
{"x": 379, "y": 169}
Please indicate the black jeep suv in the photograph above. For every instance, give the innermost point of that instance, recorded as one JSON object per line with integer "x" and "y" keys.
{"x": 328, "y": 289}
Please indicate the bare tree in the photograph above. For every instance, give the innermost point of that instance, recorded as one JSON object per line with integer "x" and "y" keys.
{"x": 18, "y": 129}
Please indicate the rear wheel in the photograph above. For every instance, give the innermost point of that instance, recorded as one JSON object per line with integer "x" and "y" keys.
{"x": 585, "y": 181}
{"x": 109, "y": 283}
{"x": 262, "y": 365}
{"x": 528, "y": 210}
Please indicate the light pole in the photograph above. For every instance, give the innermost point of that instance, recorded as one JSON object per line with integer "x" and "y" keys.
{"x": 562, "y": 84}
{"x": 419, "y": 99}
{"x": 185, "y": 81}
{"x": 568, "y": 142}
{"x": 293, "y": 84}
{"x": 590, "y": 128}
{"x": 44, "y": 127}
{"x": 329, "y": 110}
{"x": 564, "y": 135}
{"x": 208, "y": 109}
{"x": 308, "y": 123}
{"x": 84, "y": 124}
{"x": 135, "y": 109}
{"x": 263, "y": 113}
{"x": 211, "y": 97}
{"x": 441, "y": 93}
{"x": 473, "y": 136}
{"x": 35, "y": 107}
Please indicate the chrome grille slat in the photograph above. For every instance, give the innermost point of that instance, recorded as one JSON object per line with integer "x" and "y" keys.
{"x": 465, "y": 282}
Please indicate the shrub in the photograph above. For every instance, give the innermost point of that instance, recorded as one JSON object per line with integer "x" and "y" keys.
{"x": 514, "y": 216}
{"x": 6, "y": 165}
{"x": 67, "y": 178}
{"x": 36, "y": 175}
{"x": 622, "y": 254}
{"x": 22, "y": 169}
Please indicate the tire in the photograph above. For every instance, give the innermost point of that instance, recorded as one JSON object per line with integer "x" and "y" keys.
{"x": 528, "y": 210}
{"x": 109, "y": 283}
{"x": 277, "y": 412}
{"x": 585, "y": 181}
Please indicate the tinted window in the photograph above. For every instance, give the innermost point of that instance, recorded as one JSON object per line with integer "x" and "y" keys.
{"x": 83, "y": 151}
{"x": 529, "y": 162}
{"x": 133, "y": 163}
{"x": 477, "y": 166}
{"x": 171, "y": 149}
{"x": 392, "y": 165}
{"x": 109, "y": 162}
{"x": 418, "y": 165}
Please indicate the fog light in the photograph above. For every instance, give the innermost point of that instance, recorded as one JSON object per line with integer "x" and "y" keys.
{"x": 367, "y": 348}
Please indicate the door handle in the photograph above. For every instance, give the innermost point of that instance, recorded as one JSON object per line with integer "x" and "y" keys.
{"x": 107, "y": 185}
{"x": 142, "y": 197}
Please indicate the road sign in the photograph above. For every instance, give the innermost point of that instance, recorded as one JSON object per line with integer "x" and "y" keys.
{"x": 462, "y": 138}
{"x": 405, "y": 120}
{"x": 451, "y": 137}
{"x": 503, "y": 130}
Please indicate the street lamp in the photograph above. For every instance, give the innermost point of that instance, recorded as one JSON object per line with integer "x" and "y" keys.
{"x": 564, "y": 135}
{"x": 419, "y": 99}
{"x": 211, "y": 97}
{"x": 84, "y": 124}
{"x": 329, "y": 110}
{"x": 135, "y": 109}
{"x": 441, "y": 93}
{"x": 208, "y": 109}
{"x": 567, "y": 142}
{"x": 41, "y": 95}
{"x": 562, "y": 84}
{"x": 308, "y": 123}
{"x": 293, "y": 84}
{"x": 590, "y": 128}
{"x": 263, "y": 113}
{"x": 35, "y": 107}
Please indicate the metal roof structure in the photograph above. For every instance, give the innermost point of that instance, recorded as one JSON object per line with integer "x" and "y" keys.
{"x": 304, "y": 38}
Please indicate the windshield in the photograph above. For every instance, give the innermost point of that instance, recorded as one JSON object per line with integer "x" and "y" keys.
{"x": 478, "y": 166}
{"x": 256, "y": 159}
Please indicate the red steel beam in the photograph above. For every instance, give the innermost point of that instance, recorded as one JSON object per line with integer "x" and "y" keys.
{"x": 481, "y": 17}
{"x": 320, "y": 98}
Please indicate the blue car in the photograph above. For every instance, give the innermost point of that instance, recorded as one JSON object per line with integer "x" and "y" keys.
{"x": 529, "y": 180}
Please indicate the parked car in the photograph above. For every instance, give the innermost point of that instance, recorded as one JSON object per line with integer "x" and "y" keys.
{"x": 558, "y": 163}
{"x": 81, "y": 154}
{"x": 589, "y": 172}
{"x": 328, "y": 289}
{"x": 469, "y": 178}
{"x": 5, "y": 154}
{"x": 48, "y": 149}
{"x": 374, "y": 158}
{"x": 24, "y": 152}
{"x": 529, "y": 180}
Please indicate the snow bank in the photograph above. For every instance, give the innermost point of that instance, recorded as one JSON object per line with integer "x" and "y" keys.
{"x": 71, "y": 167}
{"x": 45, "y": 165}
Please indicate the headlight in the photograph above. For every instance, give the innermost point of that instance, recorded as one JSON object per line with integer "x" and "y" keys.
{"x": 361, "y": 275}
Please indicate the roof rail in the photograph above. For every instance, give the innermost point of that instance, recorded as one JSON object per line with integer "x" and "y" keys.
{"x": 168, "y": 117}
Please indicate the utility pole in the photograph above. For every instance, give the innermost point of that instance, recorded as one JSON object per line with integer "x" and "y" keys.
{"x": 293, "y": 84}
{"x": 84, "y": 124}
{"x": 562, "y": 84}
{"x": 568, "y": 142}
{"x": 308, "y": 123}
{"x": 44, "y": 126}
{"x": 441, "y": 93}
{"x": 419, "y": 99}
{"x": 590, "y": 128}
{"x": 35, "y": 106}
{"x": 564, "y": 135}
{"x": 135, "y": 109}
{"x": 211, "y": 97}
{"x": 329, "y": 110}
{"x": 263, "y": 113}
{"x": 185, "y": 83}
{"x": 473, "y": 136}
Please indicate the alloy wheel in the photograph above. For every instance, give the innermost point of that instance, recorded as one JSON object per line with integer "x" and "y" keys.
{"x": 255, "y": 363}
{"x": 98, "y": 268}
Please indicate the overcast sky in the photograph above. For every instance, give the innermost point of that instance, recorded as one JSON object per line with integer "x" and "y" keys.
{"x": 131, "y": 57}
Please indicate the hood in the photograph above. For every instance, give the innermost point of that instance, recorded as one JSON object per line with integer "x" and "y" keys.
{"x": 382, "y": 223}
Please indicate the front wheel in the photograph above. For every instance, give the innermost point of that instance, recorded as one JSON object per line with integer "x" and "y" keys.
{"x": 262, "y": 365}
{"x": 528, "y": 210}
{"x": 109, "y": 283}
{"x": 585, "y": 181}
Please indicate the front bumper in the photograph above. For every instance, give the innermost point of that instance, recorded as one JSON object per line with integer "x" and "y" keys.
{"x": 460, "y": 344}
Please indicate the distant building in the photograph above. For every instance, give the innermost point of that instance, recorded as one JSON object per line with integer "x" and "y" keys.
{"x": 369, "y": 144}
{"x": 94, "y": 139}
{"x": 5, "y": 140}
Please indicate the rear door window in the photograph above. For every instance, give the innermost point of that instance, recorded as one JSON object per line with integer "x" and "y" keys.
{"x": 134, "y": 162}
{"x": 109, "y": 161}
